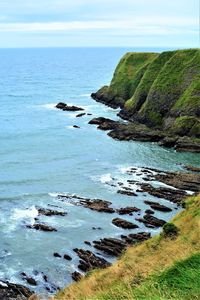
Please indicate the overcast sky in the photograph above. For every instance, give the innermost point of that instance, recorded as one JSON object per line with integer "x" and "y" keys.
{"x": 67, "y": 23}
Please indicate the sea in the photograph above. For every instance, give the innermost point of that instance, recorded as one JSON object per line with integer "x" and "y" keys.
{"x": 42, "y": 156}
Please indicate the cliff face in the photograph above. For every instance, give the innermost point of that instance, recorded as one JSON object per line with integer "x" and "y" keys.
{"x": 161, "y": 91}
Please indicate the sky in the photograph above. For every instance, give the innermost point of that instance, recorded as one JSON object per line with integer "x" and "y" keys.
{"x": 94, "y": 23}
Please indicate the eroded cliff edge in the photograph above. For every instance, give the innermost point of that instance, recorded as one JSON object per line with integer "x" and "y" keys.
{"x": 161, "y": 92}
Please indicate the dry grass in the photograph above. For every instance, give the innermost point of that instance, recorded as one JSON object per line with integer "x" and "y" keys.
{"x": 142, "y": 260}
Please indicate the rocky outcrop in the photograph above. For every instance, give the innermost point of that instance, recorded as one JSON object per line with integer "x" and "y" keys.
{"x": 50, "y": 212}
{"x": 127, "y": 210}
{"x": 160, "y": 91}
{"x": 158, "y": 206}
{"x": 11, "y": 291}
{"x": 65, "y": 107}
{"x": 89, "y": 261}
{"x": 151, "y": 221}
{"x": 42, "y": 227}
{"x": 123, "y": 223}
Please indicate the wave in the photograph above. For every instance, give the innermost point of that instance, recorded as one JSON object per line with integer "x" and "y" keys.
{"x": 50, "y": 106}
{"x": 84, "y": 95}
{"x": 27, "y": 214}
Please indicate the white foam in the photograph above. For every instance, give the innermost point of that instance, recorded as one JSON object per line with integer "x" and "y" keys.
{"x": 49, "y": 106}
{"x": 105, "y": 178}
{"x": 84, "y": 95}
{"x": 30, "y": 213}
{"x": 3, "y": 284}
{"x": 69, "y": 127}
{"x": 54, "y": 195}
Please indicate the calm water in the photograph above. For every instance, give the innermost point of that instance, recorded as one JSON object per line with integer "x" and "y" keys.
{"x": 42, "y": 155}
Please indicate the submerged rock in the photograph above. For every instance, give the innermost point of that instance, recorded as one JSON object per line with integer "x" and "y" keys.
{"x": 125, "y": 192}
{"x": 50, "y": 212}
{"x": 123, "y": 223}
{"x": 30, "y": 280}
{"x": 80, "y": 115}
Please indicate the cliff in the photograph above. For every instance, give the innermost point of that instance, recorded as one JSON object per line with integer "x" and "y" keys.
{"x": 161, "y": 91}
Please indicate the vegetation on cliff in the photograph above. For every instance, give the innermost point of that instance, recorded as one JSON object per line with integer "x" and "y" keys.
{"x": 159, "y": 90}
{"x": 164, "y": 267}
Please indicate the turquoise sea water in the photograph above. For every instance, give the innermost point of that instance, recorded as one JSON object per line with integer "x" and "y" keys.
{"x": 42, "y": 155}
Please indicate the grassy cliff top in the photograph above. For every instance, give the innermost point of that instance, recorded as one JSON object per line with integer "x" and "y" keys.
{"x": 162, "y": 268}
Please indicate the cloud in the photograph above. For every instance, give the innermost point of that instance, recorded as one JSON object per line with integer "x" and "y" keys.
{"x": 152, "y": 25}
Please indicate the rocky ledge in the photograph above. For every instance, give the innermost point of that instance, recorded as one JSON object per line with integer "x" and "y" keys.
{"x": 63, "y": 106}
{"x": 140, "y": 132}
{"x": 11, "y": 291}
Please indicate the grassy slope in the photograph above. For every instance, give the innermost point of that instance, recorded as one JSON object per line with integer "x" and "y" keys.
{"x": 128, "y": 74}
{"x": 150, "y": 270}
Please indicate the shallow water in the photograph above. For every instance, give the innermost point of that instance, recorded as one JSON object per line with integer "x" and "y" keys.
{"x": 42, "y": 155}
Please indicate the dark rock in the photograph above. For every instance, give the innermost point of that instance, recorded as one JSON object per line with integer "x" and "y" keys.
{"x": 124, "y": 224}
{"x": 80, "y": 115}
{"x": 128, "y": 193}
{"x": 149, "y": 211}
{"x": 97, "y": 205}
{"x": 175, "y": 196}
{"x": 72, "y": 108}
{"x": 50, "y": 212}
{"x": 76, "y": 126}
{"x": 76, "y": 276}
{"x": 157, "y": 206}
{"x": 104, "y": 123}
{"x": 151, "y": 221}
{"x": 87, "y": 243}
{"x": 41, "y": 226}
{"x": 29, "y": 279}
{"x": 96, "y": 228}
{"x": 56, "y": 254}
{"x": 192, "y": 168}
{"x": 61, "y": 105}
{"x": 137, "y": 237}
{"x": 89, "y": 261}
{"x": 11, "y": 291}
{"x": 110, "y": 246}
{"x": 127, "y": 210}
{"x": 67, "y": 257}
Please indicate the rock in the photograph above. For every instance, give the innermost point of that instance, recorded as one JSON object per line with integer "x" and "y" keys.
{"x": 149, "y": 211}
{"x": 110, "y": 246}
{"x": 87, "y": 243}
{"x": 29, "y": 279}
{"x": 123, "y": 224}
{"x": 96, "y": 228}
{"x": 89, "y": 261}
{"x": 152, "y": 221}
{"x": 97, "y": 205}
{"x": 181, "y": 181}
{"x": 41, "y": 226}
{"x": 128, "y": 193}
{"x": 104, "y": 123}
{"x": 175, "y": 196}
{"x": 76, "y": 276}
{"x": 127, "y": 210}
{"x": 11, "y": 291}
{"x": 50, "y": 212}
{"x": 80, "y": 115}
{"x": 56, "y": 254}
{"x": 67, "y": 257}
{"x": 76, "y": 126}
{"x": 157, "y": 206}
{"x": 137, "y": 237}
{"x": 89, "y": 114}
{"x": 192, "y": 168}
{"x": 61, "y": 105}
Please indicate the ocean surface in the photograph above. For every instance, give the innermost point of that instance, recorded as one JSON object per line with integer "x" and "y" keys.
{"x": 42, "y": 155}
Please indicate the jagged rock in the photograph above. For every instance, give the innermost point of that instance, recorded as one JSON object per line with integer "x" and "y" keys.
{"x": 151, "y": 220}
{"x": 57, "y": 254}
{"x": 157, "y": 206}
{"x": 127, "y": 210}
{"x": 104, "y": 123}
{"x": 30, "y": 280}
{"x": 80, "y": 115}
{"x": 50, "y": 212}
{"x": 175, "y": 196}
{"x": 41, "y": 226}
{"x": 124, "y": 224}
{"x": 11, "y": 291}
{"x": 192, "y": 168}
{"x": 180, "y": 180}
{"x": 136, "y": 237}
{"x": 110, "y": 246}
{"x": 67, "y": 257}
{"x": 128, "y": 193}
{"x": 76, "y": 276}
{"x": 89, "y": 261}
{"x": 98, "y": 205}
{"x": 66, "y": 107}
